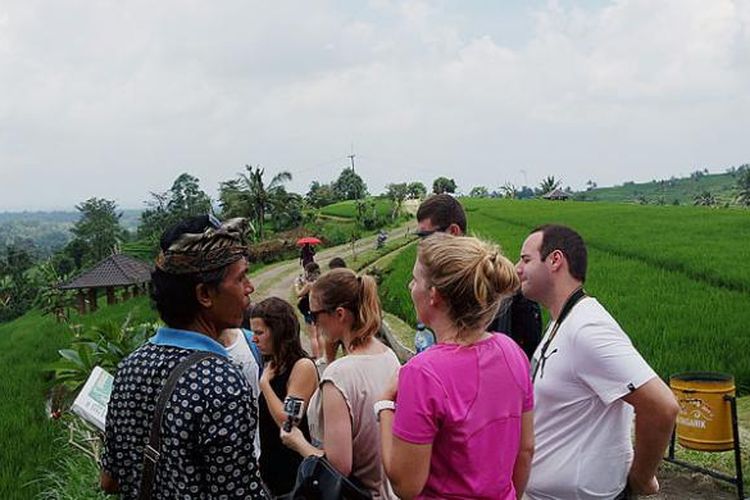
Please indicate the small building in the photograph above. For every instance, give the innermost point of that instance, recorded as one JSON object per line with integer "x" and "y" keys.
{"x": 556, "y": 194}
{"x": 118, "y": 271}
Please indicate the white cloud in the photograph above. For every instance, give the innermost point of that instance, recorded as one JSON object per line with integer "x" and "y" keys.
{"x": 116, "y": 99}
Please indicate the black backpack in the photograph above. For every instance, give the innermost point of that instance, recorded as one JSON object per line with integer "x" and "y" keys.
{"x": 520, "y": 319}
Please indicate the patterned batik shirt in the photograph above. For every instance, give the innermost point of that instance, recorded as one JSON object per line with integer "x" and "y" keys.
{"x": 207, "y": 431}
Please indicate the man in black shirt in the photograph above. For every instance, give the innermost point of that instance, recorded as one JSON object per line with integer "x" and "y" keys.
{"x": 517, "y": 317}
{"x": 208, "y": 425}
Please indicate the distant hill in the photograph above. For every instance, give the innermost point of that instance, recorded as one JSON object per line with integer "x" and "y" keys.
{"x": 668, "y": 191}
{"x": 49, "y": 230}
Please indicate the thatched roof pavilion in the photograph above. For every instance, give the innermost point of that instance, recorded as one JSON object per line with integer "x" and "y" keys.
{"x": 556, "y": 194}
{"x": 115, "y": 271}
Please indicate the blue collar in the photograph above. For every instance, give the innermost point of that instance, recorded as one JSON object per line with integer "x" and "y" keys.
{"x": 187, "y": 340}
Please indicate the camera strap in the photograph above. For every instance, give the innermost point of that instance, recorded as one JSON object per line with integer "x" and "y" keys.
{"x": 574, "y": 298}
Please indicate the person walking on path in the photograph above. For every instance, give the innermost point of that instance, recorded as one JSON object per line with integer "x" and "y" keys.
{"x": 306, "y": 255}
{"x": 517, "y": 316}
{"x": 448, "y": 432}
{"x": 302, "y": 287}
{"x": 588, "y": 379}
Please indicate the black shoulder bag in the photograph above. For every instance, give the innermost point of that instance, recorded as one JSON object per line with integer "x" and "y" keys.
{"x": 317, "y": 479}
{"x": 151, "y": 452}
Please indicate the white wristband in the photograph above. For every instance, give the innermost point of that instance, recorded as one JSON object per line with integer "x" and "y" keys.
{"x": 383, "y": 404}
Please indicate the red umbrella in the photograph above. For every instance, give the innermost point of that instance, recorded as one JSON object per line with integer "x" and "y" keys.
{"x": 308, "y": 240}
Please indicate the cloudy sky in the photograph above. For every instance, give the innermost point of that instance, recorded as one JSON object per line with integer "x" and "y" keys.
{"x": 115, "y": 99}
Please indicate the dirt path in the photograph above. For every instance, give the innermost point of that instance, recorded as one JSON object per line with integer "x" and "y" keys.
{"x": 277, "y": 281}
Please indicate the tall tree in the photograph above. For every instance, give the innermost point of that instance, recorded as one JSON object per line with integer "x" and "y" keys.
{"x": 548, "y": 184}
{"x": 320, "y": 195}
{"x": 99, "y": 227}
{"x": 743, "y": 187}
{"x": 479, "y": 192}
{"x": 443, "y": 185}
{"x": 509, "y": 191}
{"x": 349, "y": 185}
{"x": 250, "y": 196}
{"x": 397, "y": 193}
{"x": 187, "y": 199}
{"x": 184, "y": 199}
{"x": 417, "y": 190}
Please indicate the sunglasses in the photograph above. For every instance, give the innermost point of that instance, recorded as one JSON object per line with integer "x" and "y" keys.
{"x": 426, "y": 233}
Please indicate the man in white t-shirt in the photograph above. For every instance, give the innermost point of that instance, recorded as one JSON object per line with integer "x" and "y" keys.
{"x": 588, "y": 381}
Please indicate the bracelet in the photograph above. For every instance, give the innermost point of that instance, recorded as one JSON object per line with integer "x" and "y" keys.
{"x": 383, "y": 404}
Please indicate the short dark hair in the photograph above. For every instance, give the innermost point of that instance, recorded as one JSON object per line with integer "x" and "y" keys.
{"x": 569, "y": 242}
{"x": 173, "y": 295}
{"x": 442, "y": 210}
{"x": 336, "y": 263}
{"x": 281, "y": 320}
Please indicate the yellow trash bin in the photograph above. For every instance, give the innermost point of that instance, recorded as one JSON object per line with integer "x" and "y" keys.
{"x": 705, "y": 419}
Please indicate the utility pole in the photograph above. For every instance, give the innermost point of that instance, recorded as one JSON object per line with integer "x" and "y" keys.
{"x": 351, "y": 156}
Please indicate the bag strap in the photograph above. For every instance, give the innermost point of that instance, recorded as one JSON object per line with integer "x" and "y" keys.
{"x": 151, "y": 450}
{"x": 255, "y": 350}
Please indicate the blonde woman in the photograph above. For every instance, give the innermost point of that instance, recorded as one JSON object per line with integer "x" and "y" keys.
{"x": 462, "y": 422}
{"x": 345, "y": 307}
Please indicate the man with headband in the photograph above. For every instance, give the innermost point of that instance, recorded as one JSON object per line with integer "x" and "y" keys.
{"x": 203, "y": 443}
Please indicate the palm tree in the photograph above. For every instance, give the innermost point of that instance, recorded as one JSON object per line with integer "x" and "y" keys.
{"x": 258, "y": 195}
{"x": 548, "y": 184}
{"x": 509, "y": 191}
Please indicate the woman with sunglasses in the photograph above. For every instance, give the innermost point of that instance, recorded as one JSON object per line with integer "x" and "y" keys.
{"x": 290, "y": 372}
{"x": 345, "y": 307}
{"x": 458, "y": 422}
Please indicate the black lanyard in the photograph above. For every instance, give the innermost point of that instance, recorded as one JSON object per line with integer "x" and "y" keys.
{"x": 566, "y": 308}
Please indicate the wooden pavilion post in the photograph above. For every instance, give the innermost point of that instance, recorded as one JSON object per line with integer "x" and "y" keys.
{"x": 81, "y": 301}
{"x": 92, "y": 300}
{"x": 111, "y": 299}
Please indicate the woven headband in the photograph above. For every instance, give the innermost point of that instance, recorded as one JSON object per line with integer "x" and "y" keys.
{"x": 214, "y": 248}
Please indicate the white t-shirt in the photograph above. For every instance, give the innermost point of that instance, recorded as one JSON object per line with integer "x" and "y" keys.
{"x": 582, "y": 427}
{"x": 240, "y": 353}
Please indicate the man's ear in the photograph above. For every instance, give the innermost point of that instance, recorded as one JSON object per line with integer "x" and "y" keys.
{"x": 557, "y": 259}
{"x": 454, "y": 230}
{"x": 203, "y": 295}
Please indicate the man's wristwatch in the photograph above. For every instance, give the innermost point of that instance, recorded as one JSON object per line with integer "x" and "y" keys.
{"x": 383, "y": 404}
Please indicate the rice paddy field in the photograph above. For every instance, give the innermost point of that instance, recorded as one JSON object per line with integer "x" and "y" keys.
{"x": 29, "y": 440}
{"x": 349, "y": 208}
{"x": 675, "y": 278}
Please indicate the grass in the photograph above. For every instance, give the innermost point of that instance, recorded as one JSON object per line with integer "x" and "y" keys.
{"x": 27, "y": 345}
{"x": 684, "y": 190}
{"x": 348, "y": 208}
{"x": 394, "y": 291}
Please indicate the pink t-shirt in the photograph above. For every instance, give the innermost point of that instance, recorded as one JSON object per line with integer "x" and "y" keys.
{"x": 467, "y": 401}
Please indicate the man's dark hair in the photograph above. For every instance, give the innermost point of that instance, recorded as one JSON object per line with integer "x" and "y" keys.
{"x": 173, "y": 295}
{"x": 442, "y": 210}
{"x": 336, "y": 262}
{"x": 569, "y": 242}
